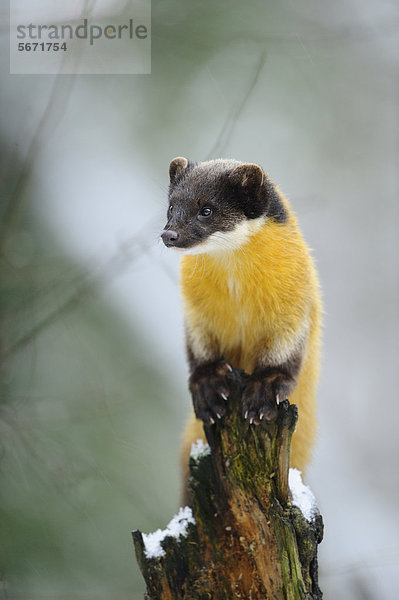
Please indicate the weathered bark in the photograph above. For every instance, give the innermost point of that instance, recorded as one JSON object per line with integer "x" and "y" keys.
{"x": 248, "y": 542}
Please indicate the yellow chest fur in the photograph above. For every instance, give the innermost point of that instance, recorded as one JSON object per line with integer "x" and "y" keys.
{"x": 252, "y": 299}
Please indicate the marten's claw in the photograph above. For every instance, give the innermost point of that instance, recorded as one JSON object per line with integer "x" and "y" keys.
{"x": 259, "y": 401}
{"x": 210, "y": 390}
{"x": 208, "y": 404}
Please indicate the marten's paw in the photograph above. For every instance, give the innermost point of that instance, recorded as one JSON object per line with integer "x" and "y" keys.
{"x": 262, "y": 395}
{"x": 210, "y": 390}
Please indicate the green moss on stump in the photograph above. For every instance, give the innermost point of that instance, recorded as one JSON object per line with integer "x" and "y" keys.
{"x": 248, "y": 542}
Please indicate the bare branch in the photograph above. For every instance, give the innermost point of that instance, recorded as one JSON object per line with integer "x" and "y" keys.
{"x": 127, "y": 253}
{"x": 235, "y": 114}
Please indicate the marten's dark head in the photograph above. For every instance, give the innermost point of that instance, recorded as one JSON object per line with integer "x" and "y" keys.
{"x": 217, "y": 205}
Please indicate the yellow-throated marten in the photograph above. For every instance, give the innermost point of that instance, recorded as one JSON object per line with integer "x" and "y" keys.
{"x": 250, "y": 295}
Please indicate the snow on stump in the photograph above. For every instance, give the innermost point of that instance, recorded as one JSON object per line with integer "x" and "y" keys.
{"x": 253, "y": 529}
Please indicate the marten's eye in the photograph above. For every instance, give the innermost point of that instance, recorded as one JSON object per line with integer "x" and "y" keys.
{"x": 204, "y": 213}
{"x": 170, "y": 209}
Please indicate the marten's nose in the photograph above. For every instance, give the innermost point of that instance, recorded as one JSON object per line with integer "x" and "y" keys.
{"x": 169, "y": 237}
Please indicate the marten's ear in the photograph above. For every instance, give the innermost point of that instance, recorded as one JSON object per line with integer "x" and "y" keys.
{"x": 247, "y": 176}
{"x": 176, "y": 167}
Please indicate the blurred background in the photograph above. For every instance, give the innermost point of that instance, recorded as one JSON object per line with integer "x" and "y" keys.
{"x": 93, "y": 373}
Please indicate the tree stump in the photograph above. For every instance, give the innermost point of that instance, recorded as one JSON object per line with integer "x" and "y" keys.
{"x": 248, "y": 540}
